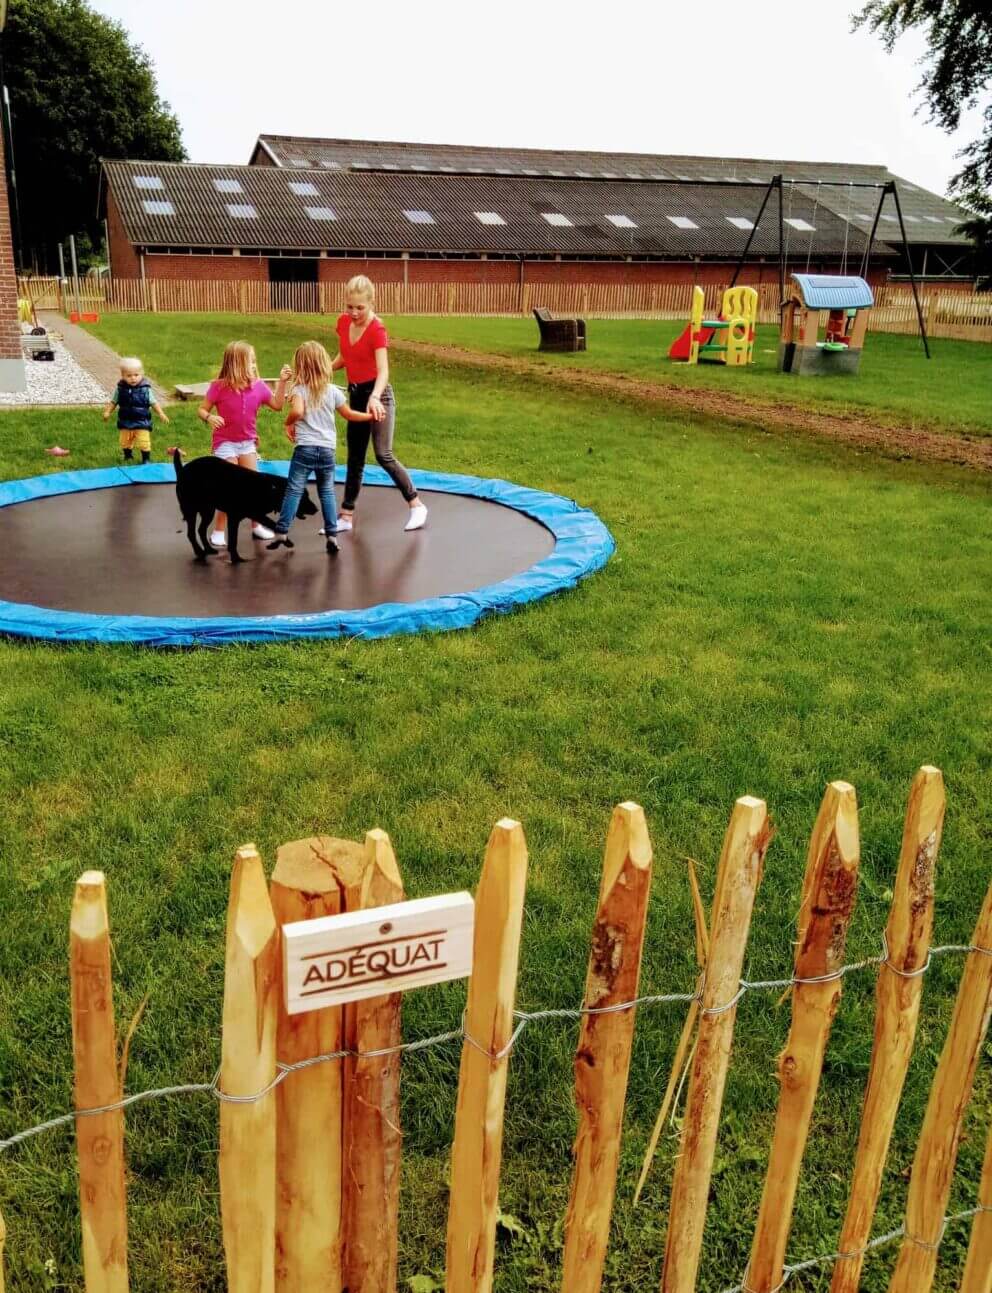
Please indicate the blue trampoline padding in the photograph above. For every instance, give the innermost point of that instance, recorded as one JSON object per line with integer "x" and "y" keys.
{"x": 583, "y": 545}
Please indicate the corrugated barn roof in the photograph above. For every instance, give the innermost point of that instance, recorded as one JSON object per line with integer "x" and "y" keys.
{"x": 256, "y": 207}
{"x": 929, "y": 217}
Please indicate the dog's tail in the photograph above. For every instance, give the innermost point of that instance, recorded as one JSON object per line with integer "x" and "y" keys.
{"x": 177, "y": 461}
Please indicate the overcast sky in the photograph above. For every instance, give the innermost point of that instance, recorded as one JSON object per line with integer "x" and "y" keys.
{"x": 762, "y": 78}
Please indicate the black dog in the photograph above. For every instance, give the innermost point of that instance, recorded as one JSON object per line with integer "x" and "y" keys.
{"x": 211, "y": 485}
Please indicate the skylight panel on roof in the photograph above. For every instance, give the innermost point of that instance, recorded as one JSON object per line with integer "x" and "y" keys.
{"x": 363, "y": 166}
{"x": 683, "y": 177}
{"x": 936, "y": 219}
{"x": 299, "y": 162}
{"x": 502, "y": 170}
{"x": 634, "y": 175}
{"x": 584, "y": 175}
{"x": 228, "y": 186}
{"x": 890, "y": 218}
{"x": 419, "y": 217}
{"x": 159, "y": 208}
{"x": 911, "y": 219}
{"x": 529, "y": 171}
{"x": 321, "y": 213}
{"x": 147, "y": 182}
{"x": 389, "y": 166}
{"x": 448, "y": 170}
{"x": 621, "y": 221}
{"x": 303, "y": 188}
{"x": 418, "y": 166}
{"x": 740, "y": 222}
{"x": 489, "y": 217}
{"x": 608, "y": 175}
{"x": 707, "y": 179}
{"x": 329, "y": 165}
{"x": 655, "y": 176}
{"x": 682, "y": 222}
{"x": 755, "y": 179}
{"x": 556, "y": 172}
{"x": 241, "y": 211}
{"x": 803, "y": 226}
{"x": 557, "y": 219}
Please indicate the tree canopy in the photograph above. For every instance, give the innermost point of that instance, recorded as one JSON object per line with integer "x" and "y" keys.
{"x": 957, "y": 70}
{"x": 79, "y": 90}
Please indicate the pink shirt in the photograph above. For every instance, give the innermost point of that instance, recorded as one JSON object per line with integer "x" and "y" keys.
{"x": 238, "y": 409}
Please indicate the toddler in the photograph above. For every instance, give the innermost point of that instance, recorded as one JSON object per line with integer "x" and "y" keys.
{"x": 310, "y": 425}
{"x": 134, "y": 401}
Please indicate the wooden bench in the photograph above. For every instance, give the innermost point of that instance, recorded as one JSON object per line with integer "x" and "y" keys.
{"x": 560, "y": 334}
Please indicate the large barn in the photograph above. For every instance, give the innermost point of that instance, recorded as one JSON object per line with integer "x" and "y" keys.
{"x": 320, "y": 210}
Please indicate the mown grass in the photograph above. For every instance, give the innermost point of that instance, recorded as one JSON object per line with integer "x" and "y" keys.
{"x": 777, "y": 614}
{"x": 896, "y": 382}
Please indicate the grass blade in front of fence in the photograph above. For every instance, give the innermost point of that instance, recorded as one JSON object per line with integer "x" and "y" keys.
{"x": 829, "y": 891}
{"x": 248, "y": 1065}
{"x": 977, "y": 1276}
{"x": 308, "y": 1102}
{"x": 374, "y": 1139}
{"x": 478, "y": 1145}
{"x": 741, "y": 864}
{"x": 99, "y": 1137}
{"x": 898, "y": 993}
{"x": 937, "y": 1150}
{"x": 602, "y": 1060}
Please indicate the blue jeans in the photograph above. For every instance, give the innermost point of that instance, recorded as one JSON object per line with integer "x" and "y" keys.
{"x": 309, "y": 458}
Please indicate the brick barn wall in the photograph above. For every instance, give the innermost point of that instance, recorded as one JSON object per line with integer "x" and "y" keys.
{"x": 10, "y": 328}
{"x": 124, "y": 262}
{"x": 217, "y": 269}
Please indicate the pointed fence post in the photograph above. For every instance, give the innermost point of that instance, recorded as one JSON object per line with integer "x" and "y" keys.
{"x": 741, "y": 862}
{"x": 829, "y": 890}
{"x": 897, "y": 1008}
{"x": 602, "y": 1061}
{"x": 977, "y": 1276}
{"x": 478, "y": 1143}
{"x": 248, "y": 1065}
{"x": 309, "y": 1102}
{"x": 937, "y": 1148}
{"x": 99, "y": 1137}
{"x": 373, "y": 1138}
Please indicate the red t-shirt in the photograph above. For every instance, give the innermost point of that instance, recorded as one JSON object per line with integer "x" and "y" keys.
{"x": 359, "y": 359}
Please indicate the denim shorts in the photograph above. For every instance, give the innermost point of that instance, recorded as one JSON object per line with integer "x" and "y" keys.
{"x": 232, "y": 450}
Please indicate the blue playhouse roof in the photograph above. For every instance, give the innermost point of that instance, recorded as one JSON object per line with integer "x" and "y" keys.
{"x": 834, "y": 292}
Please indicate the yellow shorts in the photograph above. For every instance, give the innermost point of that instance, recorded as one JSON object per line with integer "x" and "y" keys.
{"x": 138, "y": 438}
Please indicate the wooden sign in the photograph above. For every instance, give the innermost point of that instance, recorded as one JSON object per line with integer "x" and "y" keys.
{"x": 370, "y": 953}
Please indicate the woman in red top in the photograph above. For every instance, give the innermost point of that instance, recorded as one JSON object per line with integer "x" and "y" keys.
{"x": 363, "y": 352}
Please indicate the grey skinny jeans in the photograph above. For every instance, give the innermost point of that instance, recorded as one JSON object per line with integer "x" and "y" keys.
{"x": 381, "y": 435}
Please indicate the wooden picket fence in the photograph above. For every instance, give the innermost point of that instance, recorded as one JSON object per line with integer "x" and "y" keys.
{"x": 952, "y": 314}
{"x": 309, "y": 1165}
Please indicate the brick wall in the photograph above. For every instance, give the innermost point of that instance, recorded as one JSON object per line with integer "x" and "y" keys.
{"x": 10, "y": 329}
{"x": 215, "y": 269}
{"x": 123, "y": 259}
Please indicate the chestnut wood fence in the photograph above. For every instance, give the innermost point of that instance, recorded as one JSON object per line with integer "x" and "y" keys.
{"x": 951, "y": 314}
{"x": 310, "y": 1143}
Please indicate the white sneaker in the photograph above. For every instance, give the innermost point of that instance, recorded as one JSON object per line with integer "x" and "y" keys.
{"x": 262, "y": 532}
{"x": 418, "y": 515}
{"x": 343, "y": 525}
{"x": 217, "y": 539}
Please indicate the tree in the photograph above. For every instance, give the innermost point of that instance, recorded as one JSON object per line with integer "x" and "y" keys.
{"x": 79, "y": 91}
{"x": 957, "y": 70}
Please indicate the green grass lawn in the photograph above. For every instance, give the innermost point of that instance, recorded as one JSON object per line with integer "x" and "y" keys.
{"x": 778, "y": 613}
{"x": 896, "y": 382}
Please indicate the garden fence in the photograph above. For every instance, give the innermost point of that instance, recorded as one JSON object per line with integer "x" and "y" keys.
{"x": 309, "y": 1104}
{"x": 950, "y": 314}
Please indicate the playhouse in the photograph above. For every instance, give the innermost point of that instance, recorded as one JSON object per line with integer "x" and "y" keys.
{"x": 727, "y": 339}
{"x": 848, "y": 300}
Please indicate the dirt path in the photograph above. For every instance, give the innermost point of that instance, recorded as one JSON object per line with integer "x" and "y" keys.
{"x": 894, "y": 441}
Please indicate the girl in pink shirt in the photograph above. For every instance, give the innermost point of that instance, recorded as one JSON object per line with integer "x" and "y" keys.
{"x": 230, "y": 408}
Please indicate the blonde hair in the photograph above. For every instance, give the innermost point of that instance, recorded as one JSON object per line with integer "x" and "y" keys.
{"x": 131, "y": 364}
{"x": 312, "y": 369}
{"x": 237, "y": 368}
{"x": 361, "y": 286}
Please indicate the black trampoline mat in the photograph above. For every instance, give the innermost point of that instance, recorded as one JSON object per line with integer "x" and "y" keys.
{"x": 124, "y": 551}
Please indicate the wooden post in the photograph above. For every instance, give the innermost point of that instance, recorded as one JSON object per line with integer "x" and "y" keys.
{"x": 99, "y": 1137}
{"x": 977, "y": 1276}
{"x": 3, "y": 1241}
{"x": 308, "y": 1103}
{"x": 373, "y": 1138}
{"x": 897, "y": 1010}
{"x": 478, "y": 1144}
{"x": 741, "y": 863}
{"x": 248, "y": 1064}
{"x": 602, "y": 1061}
{"x": 937, "y": 1148}
{"x": 829, "y": 891}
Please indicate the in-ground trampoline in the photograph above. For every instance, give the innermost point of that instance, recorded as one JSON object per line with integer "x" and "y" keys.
{"x": 102, "y": 556}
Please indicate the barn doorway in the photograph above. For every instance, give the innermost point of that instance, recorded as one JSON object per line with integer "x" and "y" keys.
{"x": 293, "y": 284}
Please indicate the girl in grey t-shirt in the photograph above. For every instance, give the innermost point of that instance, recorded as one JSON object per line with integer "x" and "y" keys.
{"x": 310, "y": 426}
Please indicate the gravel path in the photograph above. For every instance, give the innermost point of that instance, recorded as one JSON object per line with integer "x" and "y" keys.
{"x": 62, "y": 382}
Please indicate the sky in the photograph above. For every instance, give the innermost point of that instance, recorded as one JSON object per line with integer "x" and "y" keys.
{"x": 764, "y": 78}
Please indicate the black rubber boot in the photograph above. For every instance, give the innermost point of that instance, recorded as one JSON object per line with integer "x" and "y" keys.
{"x": 332, "y": 547}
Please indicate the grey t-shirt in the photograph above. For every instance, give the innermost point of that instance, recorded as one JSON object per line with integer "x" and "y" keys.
{"x": 316, "y": 427}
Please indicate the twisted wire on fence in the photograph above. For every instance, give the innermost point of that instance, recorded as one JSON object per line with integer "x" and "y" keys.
{"x": 523, "y": 1019}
